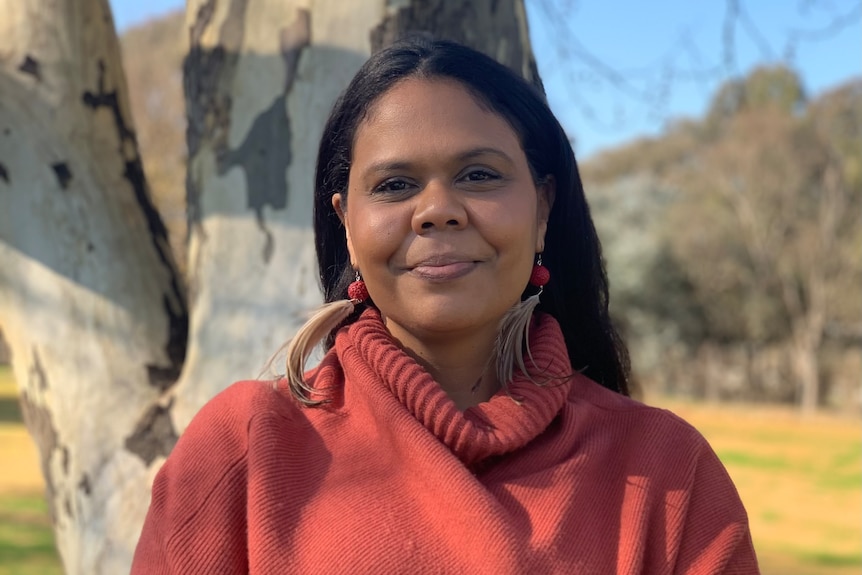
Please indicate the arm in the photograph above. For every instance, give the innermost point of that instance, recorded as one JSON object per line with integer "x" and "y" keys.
{"x": 715, "y": 538}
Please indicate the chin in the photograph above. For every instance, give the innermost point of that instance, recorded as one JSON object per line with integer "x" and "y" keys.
{"x": 438, "y": 319}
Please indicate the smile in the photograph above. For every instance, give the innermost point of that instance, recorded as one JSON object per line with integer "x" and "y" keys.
{"x": 443, "y": 271}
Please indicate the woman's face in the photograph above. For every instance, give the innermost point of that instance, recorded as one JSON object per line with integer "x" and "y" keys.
{"x": 443, "y": 218}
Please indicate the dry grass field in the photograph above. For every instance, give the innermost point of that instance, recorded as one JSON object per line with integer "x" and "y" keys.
{"x": 799, "y": 477}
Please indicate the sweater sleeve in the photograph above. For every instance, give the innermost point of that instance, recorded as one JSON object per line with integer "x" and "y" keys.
{"x": 716, "y": 537}
{"x": 196, "y": 522}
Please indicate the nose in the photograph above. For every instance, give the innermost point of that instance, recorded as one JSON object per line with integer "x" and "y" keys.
{"x": 438, "y": 207}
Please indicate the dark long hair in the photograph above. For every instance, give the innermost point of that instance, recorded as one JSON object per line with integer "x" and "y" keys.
{"x": 577, "y": 295}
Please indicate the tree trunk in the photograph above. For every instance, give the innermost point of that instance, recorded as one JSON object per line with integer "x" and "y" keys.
{"x": 809, "y": 328}
{"x": 91, "y": 305}
{"x": 89, "y": 299}
{"x": 806, "y": 365}
{"x": 806, "y": 343}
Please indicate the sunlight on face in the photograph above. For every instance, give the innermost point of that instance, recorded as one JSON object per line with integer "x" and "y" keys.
{"x": 442, "y": 215}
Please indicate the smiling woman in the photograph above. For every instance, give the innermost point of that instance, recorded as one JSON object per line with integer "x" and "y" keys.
{"x": 471, "y": 412}
{"x": 444, "y": 223}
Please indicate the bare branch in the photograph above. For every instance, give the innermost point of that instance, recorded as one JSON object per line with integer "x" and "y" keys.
{"x": 573, "y": 49}
{"x": 798, "y": 35}
{"x": 728, "y": 37}
{"x": 755, "y": 34}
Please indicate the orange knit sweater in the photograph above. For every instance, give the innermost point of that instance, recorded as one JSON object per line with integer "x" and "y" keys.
{"x": 390, "y": 477}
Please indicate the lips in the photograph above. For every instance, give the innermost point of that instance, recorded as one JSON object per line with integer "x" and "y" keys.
{"x": 443, "y": 267}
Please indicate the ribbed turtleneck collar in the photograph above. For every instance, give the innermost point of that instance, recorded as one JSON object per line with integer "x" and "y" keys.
{"x": 497, "y": 426}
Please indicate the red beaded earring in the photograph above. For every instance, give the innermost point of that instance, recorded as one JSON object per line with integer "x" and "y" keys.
{"x": 540, "y": 275}
{"x": 356, "y": 291}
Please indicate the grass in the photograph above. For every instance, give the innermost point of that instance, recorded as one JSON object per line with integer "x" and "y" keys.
{"x": 799, "y": 477}
{"x": 26, "y": 539}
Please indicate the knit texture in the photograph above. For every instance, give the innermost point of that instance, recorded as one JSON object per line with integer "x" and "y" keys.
{"x": 390, "y": 477}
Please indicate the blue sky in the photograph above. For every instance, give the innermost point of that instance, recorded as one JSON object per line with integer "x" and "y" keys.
{"x": 670, "y": 55}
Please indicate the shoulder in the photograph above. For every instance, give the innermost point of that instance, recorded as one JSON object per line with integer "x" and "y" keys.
{"x": 243, "y": 396}
{"x": 198, "y": 496}
{"x": 635, "y": 439}
{"x": 637, "y": 435}
{"x": 587, "y": 395}
{"x": 671, "y": 473}
{"x": 213, "y": 451}
{"x": 220, "y": 433}
{"x": 235, "y": 408}
{"x": 663, "y": 468}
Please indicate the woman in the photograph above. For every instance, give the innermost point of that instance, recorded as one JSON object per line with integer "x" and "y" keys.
{"x": 449, "y": 428}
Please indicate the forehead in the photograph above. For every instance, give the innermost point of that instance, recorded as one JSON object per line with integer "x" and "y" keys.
{"x": 432, "y": 109}
{"x": 440, "y": 87}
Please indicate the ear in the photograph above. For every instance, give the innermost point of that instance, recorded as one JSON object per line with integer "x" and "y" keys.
{"x": 546, "y": 191}
{"x": 338, "y": 204}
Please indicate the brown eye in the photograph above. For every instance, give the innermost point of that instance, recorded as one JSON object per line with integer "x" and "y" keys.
{"x": 394, "y": 185}
{"x": 480, "y": 176}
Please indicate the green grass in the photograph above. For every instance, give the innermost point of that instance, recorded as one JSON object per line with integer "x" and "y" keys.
{"x": 7, "y": 384}
{"x": 741, "y": 459}
{"x": 26, "y": 538}
{"x": 10, "y": 410}
{"x": 834, "y": 560}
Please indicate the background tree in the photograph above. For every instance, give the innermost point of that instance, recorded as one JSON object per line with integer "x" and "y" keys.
{"x": 763, "y": 208}
{"x": 753, "y": 241}
{"x": 91, "y": 302}
{"x": 90, "y": 299}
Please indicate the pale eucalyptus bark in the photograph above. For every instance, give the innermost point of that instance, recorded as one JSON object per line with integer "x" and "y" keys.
{"x": 90, "y": 301}
{"x": 260, "y": 79}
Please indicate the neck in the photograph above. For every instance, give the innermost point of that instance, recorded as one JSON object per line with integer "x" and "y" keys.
{"x": 462, "y": 366}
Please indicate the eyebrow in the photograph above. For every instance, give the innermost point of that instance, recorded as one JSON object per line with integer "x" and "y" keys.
{"x": 396, "y": 165}
{"x": 475, "y": 152}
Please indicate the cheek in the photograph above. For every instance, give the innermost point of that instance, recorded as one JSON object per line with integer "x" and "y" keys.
{"x": 512, "y": 225}
{"x": 376, "y": 234}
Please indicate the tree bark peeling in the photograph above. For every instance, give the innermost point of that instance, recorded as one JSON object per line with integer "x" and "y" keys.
{"x": 31, "y": 66}
{"x": 84, "y": 485}
{"x": 154, "y": 435}
{"x": 266, "y": 153}
{"x": 208, "y": 112}
{"x": 264, "y": 157}
{"x": 174, "y": 301}
{"x": 63, "y": 173}
{"x": 37, "y": 374}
